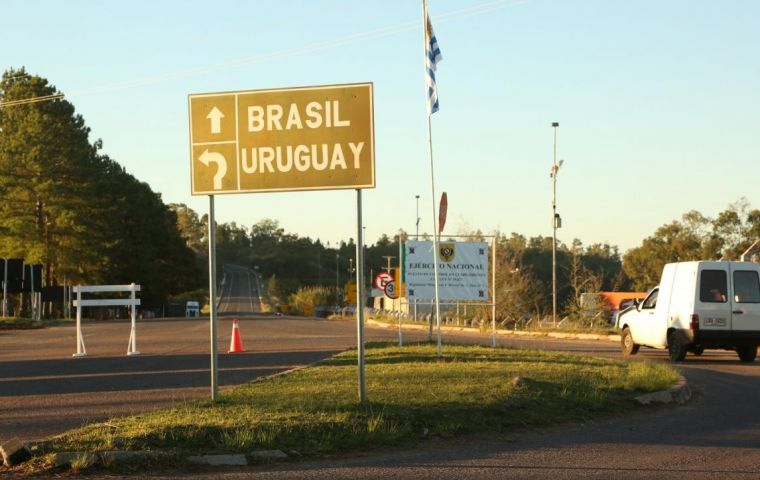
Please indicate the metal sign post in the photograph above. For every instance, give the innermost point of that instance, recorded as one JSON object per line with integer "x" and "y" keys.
{"x": 399, "y": 284}
{"x": 287, "y": 139}
{"x": 5, "y": 287}
{"x": 493, "y": 289}
{"x": 360, "y": 296}
{"x": 212, "y": 296}
{"x": 31, "y": 293}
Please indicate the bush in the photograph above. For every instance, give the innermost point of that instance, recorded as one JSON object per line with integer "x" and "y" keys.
{"x": 306, "y": 300}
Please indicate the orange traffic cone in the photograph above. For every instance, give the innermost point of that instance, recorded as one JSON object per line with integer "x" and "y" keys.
{"x": 236, "y": 344}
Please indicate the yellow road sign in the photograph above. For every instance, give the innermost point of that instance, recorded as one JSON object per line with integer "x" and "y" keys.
{"x": 351, "y": 292}
{"x": 309, "y": 138}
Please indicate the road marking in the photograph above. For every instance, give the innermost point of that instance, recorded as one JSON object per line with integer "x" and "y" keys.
{"x": 225, "y": 303}
{"x": 250, "y": 291}
{"x": 152, "y": 372}
{"x": 229, "y": 293}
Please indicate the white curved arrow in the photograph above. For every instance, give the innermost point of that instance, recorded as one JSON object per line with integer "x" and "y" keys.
{"x": 208, "y": 157}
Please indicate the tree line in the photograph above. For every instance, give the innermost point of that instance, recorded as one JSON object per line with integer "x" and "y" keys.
{"x": 288, "y": 262}
{"x": 78, "y": 212}
{"x": 71, "y": 208}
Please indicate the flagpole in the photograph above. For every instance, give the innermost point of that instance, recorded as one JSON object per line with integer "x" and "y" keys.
{"x": 425, "y": 41}
{"x": 435, "y": 239}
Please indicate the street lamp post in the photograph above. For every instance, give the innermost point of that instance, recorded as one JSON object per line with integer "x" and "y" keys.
{"x": 258, "y": 283}
{"x": 418, "y": 217}
{"x": 556, "y": 223}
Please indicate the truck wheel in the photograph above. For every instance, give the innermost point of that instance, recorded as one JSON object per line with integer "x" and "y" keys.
{"x": 676, "y": 347}
{"x": 626, "y": 343}
{"x": 747, "y": 353}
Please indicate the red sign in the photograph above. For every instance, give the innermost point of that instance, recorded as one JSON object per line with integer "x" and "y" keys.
{"x": 382, "y": 279}
{"x": 442, "y": 210}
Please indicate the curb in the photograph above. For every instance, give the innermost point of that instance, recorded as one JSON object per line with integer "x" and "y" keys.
{"x": 519, "y": 333}
{"x": 679, "y": 393}
{"x": 88, "y": 459}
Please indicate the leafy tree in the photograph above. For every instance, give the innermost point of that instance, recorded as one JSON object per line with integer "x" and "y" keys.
{"x": 582, "y": 280}
{"x": 519, "y": 294}
{"x": 671, "y": 243}
{"x": 76, "y": 211}
{"x": 46, "y": 167}
{"x": 145, "y": 245}
{"x": 695, "y": 237}
{"x": 191, "y": 227}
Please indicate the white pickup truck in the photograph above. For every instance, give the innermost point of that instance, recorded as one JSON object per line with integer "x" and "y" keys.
{"x": 698, "y": 305}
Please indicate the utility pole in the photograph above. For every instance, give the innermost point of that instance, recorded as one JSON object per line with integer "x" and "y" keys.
{"x": 319, "y": 266}
{"x": 556, "y": 223}
{"x": 337, "y": 272}
{"x": 388, "y": 259}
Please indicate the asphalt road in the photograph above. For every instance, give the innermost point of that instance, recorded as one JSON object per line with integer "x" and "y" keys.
{"x": 240, "y": 292}
{"x": 44, "y": 391}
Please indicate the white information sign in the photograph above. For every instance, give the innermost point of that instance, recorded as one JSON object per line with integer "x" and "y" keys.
{"x": 462, "y": 271}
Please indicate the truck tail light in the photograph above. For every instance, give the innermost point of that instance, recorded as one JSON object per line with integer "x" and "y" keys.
{"x": 694, "y": 324}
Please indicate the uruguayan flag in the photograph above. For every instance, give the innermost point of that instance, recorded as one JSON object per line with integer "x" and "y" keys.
{"x": 432, "y": 57}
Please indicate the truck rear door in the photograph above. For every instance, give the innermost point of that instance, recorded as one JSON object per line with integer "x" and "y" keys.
{"x": 713, "y": 305}
{"x": 745, "y": 301}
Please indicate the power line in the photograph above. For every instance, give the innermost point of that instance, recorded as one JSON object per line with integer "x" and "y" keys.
{"x": 478, "y": 9}
{"x": 25, "y": 101}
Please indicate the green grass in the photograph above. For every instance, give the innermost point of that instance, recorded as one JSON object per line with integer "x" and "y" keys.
{"x": 315, "y": 410}
{"x": 21, "y": 323}
{"x": 18, "y": 323}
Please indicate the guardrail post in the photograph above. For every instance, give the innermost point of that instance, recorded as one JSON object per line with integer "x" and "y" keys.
{"x": 81, "y": 352}
{"x": 132, "y": 347}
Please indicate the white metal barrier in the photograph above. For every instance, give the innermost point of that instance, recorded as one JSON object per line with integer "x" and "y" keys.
{"x": 110, "y": 302}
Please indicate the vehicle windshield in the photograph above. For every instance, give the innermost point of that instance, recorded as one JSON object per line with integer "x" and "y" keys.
{"x": 651, "y": 300}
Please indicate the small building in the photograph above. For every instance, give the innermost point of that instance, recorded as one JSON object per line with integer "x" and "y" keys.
{"x": 192, "y": 309}
{"x": 611, "y": 302}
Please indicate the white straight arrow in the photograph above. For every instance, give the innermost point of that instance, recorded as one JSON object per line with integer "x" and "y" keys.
{"x": 216, "y": 117}
{"x": 208, "y": 157}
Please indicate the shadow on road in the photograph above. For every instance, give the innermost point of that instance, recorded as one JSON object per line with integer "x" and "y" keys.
{"x": 147, "y": 372}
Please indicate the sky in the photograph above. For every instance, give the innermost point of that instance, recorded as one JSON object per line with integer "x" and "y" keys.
{"x": 657, "y": 103}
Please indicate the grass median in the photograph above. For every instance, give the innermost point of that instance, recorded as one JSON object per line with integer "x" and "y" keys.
{"x": 411, "y": 393}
